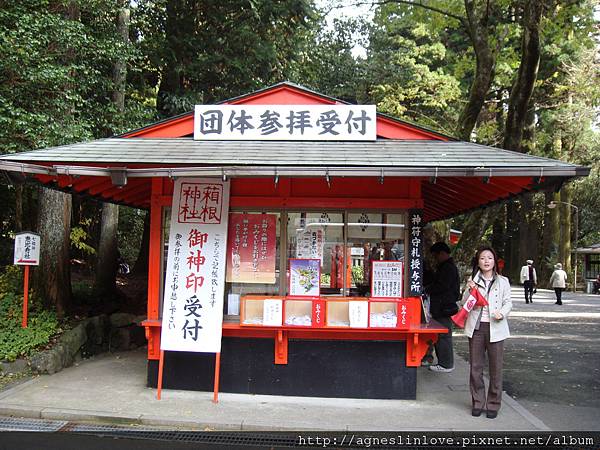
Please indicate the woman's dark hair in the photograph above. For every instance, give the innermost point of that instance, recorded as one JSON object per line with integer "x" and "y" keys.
{"x": 480, "y": 250}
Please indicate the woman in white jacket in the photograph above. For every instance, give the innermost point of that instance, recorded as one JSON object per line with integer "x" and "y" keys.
{"x": 558, "y": 280}
{"x": 486, "y": 328}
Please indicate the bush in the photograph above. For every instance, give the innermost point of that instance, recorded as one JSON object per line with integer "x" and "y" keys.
{"x": 42, "y": 324}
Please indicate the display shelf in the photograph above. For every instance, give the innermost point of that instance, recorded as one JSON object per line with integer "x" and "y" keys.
{"x": 256, "y": 310}
{"x": 297, "y": 313}
{"x": 337, "y": 313}
{"x": 383, "y": 314}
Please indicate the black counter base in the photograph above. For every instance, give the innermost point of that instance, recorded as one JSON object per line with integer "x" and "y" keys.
{"x": 345, "y": 369}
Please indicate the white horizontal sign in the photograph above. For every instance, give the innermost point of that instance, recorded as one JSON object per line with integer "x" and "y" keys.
{"x": 286, "y": 122}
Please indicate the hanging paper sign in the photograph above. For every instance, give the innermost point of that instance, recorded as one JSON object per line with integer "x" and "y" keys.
{"x": 251, "y": 248}
{"x": 310, "y": 242}
{"x": 358, "y": 312}
{"x": 286, "y": 122}
{"x": 415, "y": 253}
{"x": 387, "y": 279}
{"x": 195, "y": 278}
{"x": 27, "y": 249}
{"x": 305, "y": 275}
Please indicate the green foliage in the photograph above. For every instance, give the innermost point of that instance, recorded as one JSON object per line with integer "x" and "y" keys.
{"x": 56, "y": 74}
{"x": 42, "y": 324}
{"x": 358, "y": 275}
{"x": 408, "y": 68}
{"x": 79, "y": 235}
{"x": 131, "y": 230}
{"x": 210, "y": 51}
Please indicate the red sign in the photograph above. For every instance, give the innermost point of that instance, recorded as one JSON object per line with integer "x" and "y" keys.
{"x": 318, "y": 313}
{"x": 251, "y": 248}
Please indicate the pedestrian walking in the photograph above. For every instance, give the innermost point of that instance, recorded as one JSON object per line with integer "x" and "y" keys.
{"x": 528, "y": 280}
{"x": 558, "y": 281}
{"x": 487, "y": 328}
{"x": 444, "y": 293}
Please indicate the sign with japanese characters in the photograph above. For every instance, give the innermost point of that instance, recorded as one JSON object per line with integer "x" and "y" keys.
{"x": 194, "y": 285}
{"x": 387, "y": 279}
{"x": 415, "y": 252}
{"x": 251, "y": 248}
{"x": 285, "y": 122}
{"x": 310, "y": 242}
{"x": 27, "y": 249}
{"x": 305, "y": 275}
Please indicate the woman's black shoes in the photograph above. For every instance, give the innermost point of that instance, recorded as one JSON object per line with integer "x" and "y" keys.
{"x": 491, "y": 414}
{"x": 476, "y": 412}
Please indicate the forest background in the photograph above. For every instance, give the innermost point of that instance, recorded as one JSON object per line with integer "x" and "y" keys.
{"x": 515, "y": 74}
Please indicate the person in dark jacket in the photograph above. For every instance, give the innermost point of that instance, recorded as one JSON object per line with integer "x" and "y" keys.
{"x": 444, "y": 292}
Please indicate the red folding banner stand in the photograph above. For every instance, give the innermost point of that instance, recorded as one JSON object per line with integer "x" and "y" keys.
{"x": 161, "y": 363}
{"x": 25, "y": 296}
{"x": 217, "y": 372}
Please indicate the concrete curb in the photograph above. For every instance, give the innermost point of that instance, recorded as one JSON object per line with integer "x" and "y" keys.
{"x": 533, "y": 420}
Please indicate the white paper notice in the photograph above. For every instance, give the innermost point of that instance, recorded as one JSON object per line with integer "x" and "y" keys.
{"x": 233, "y": 304}
{"x": 359, "y": 314}
{"x": 272, "y": 313}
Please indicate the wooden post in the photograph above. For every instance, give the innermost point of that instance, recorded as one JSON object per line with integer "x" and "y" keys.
{"x": 217, "y": 372}
{"x": 25, "y": 297}
{"x": 161, "y": 363}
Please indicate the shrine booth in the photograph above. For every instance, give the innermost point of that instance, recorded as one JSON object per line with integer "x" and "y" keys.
{"x": 286, "y": 234}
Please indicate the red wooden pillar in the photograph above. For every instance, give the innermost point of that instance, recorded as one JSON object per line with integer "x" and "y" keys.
{"x": 154, "y": 264}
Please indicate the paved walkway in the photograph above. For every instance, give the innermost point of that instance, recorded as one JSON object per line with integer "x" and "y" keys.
{"x": 111, "y": 388}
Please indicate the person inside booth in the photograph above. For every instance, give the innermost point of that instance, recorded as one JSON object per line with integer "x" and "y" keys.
{"x": 596, "y": 288}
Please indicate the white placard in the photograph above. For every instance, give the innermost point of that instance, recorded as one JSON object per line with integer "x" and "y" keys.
{"x": 233, "y": 304}
{"x": 27, "y": 249}
{"x": 286, "y": 122}
{"x": 272, "y": 312}
{"x": 387, "y": 279}
{"x": 194, "y": 285}
{"x": 309, "y": 243}
{"x": 359, "y": 314}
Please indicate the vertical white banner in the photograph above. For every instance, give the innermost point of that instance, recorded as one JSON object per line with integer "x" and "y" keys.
{"x": 192, "y": 317}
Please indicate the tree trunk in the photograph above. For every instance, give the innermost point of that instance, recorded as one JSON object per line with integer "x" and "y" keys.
{"x": 120, "y": 67}
{"x": 520, "y": 96}
{"x": 52, "y": 277}
{"x": 179, "y": 20}
{"x": 19, "y": 207}
{"x": 565, "y": 229}
{"x": 499, "y": 233}
{"x": 477, "y": 23}
{"x": 106, "y": 270}
{"x": 527, "y": 247}
{"x": 474, "y": 229}
{"x": 549, "y": 238}
{"x": 141, "y": 264}
{"x": 513, "y": 259}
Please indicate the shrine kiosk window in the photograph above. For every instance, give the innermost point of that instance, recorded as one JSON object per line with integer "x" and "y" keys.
{"x": 346, "y": 244}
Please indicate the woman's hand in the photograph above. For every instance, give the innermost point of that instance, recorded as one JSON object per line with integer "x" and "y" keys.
{"x": 498, "y": 315}
{"x": 471, "y": 284}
